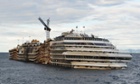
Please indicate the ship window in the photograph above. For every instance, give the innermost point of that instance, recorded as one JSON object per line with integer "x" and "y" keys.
{"x": 66, "y": 38}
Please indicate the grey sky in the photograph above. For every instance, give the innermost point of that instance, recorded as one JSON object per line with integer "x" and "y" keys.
{"x": 116, "y": 20}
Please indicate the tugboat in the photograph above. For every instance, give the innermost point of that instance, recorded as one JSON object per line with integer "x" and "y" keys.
{"x": 72, "y": 49}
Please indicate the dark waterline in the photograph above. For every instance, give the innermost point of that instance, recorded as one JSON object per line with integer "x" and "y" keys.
{"x": 16, "y": 72}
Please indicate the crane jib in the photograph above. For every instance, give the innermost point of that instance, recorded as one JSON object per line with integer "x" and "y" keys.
{"x": 46, "y": 27}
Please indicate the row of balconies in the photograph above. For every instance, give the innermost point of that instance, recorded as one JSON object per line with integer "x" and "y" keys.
{"x": 82, "y": 46}
{"x": 98, "y": 58}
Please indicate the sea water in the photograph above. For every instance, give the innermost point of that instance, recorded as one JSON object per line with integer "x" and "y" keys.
{"x": 17, "y": 72}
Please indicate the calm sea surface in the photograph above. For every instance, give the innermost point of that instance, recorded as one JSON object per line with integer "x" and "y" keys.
{"x": 16, "y": 72}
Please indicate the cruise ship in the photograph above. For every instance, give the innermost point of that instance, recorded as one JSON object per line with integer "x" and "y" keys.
{"x": 78, "y": 50}
{"x": 72, "y": 49}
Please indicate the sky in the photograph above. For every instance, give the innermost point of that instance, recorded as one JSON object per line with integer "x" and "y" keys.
{"x": 116, "y": 20}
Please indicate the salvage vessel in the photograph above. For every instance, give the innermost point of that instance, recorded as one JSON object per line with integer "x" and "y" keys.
{"x": 72, "y": 49}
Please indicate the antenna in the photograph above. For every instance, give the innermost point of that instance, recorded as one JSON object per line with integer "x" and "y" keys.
{"x": 77, "y": 29}
{"x": 84, "y": 29}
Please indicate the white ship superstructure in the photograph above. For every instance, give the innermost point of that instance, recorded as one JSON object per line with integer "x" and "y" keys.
{"x": 82, "y": 51}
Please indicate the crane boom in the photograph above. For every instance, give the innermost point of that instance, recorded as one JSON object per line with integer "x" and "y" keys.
{"x": 46, "y": 27}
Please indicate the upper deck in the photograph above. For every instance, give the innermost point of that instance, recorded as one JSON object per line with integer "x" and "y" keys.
{"x": 78, "y": 36}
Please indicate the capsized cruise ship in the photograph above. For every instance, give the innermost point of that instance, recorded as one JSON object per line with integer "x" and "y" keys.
{"x": 72, "y": 49}
{"x": 78, "y": 50}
